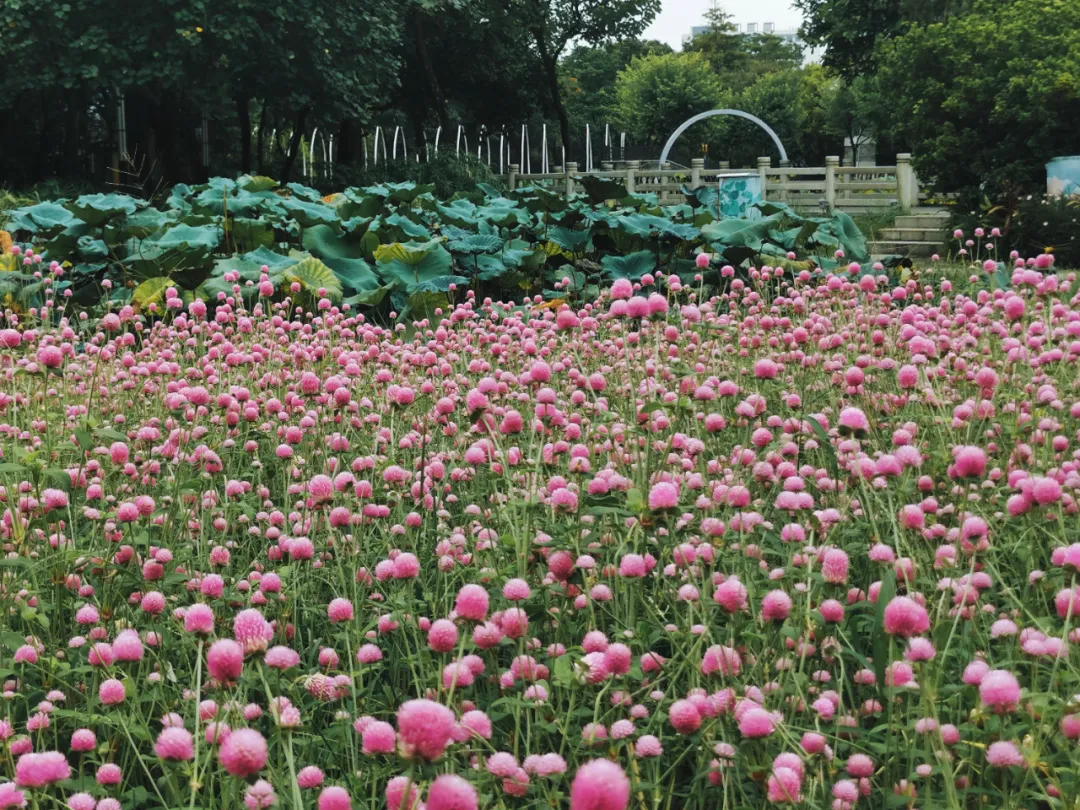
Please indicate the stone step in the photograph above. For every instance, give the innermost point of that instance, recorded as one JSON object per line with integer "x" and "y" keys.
{"x": 921, "y": 221}
{"x": 921, "y": 249}
{"x": 905, "y": 233}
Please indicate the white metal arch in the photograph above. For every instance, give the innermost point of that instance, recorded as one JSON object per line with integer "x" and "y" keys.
{"x": 738, "y": 114}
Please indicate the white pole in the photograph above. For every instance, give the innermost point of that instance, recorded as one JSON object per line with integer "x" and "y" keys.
{"x": 364, "y": 141}
{"x": 502, "y": 139}
{"x": 375, "y": 162}
{"x": 588, "y": 150}
{"x": 622, "y": 146}
{"x": 311, "y": 168}
{"x": 303, "y": 158}
{"x": 438, "y": 133}
{"x": 528, "y": 154}
{"x": 396, "y": 131}
{"x": 543, "y": 151}
{"x": 457, "y": 141}
{"x": 521, "y": 152}
{"x": 330, "y": 165}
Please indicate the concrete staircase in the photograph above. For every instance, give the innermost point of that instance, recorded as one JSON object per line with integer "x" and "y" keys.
{"x": 918, "y": 234}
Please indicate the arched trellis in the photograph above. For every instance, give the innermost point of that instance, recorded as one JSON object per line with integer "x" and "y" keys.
{"x": 738, "y": 114}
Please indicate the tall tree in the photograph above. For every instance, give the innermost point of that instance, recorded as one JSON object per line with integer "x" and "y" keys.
{"x": 553, "y": 24}
{"x": 589, "y": 73}
{"x": 985, "y": 100}
{"x": 849, "y": 30}
{"x": 742, "y": 58}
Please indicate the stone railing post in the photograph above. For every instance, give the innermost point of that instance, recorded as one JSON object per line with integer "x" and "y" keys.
{"x": 831, "y": 164}
{"x": 632, "y": 167}
{"x": 783, "y": 192}
{"x": 607, "y": 166}
{"x": 907, "y": 191}
{"x": 697, "y": 167}
{"x": 571, "y": 170}
{"x": 511, "y": 181}
{"x": 763, "y": 164}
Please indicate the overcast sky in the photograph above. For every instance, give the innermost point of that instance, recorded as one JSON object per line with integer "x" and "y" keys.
{"x": 677, "y": 16}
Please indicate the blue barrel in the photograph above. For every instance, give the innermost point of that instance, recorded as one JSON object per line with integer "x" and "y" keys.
{"x": 1063, "y": 176}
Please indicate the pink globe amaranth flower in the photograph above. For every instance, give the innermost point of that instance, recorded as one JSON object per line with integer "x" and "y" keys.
{"x": 81, "y": 801}
{"x": 834, "y": 566}
{"x": 969, "y": 461}
{"x": 252, "y": 631}
{"x": 756, "y": 723}
{"x": 999, "y": 690}
{"x": 905, "y": 617}
{"x": 600, "y": 784}
{"x": 731, "y": 595}
{"x": 127, "y": 646}
{"x": 281, "y": 657}
{"x": 54, "y": 499}
{"x": 442, "y": 636}
{"x": 776, "y": 606}
{"x": 83, "y": 740}
{"x": 648, "y": 746}
{"x": 109, "y": 774}
{"x": 50, "y": 356}
{"x": 1004, "y": 754}
{"x": 369, "y": 654}
{"x": 111, "y": 692}
{"x": 451, "y": 792}
{"x": 702, "y": 260}
{"x": 1046, "y": 491}
{"x": 724, "y": 660}
{"x": 475, "y": 722}
{"x": 309, "y": 777}
{"x": 396, "y": 794}
{"x": 225, "y": 660}
{"x": 11, "y": 796}
{"x": 784, "y": 785}
{"x": 663, "y": 496}
{"x": 632, "y": 566}
{"x": 175, "y": 743}
{"x": 853, "y": 420}
{"x": 425, "y": 728}
{"x": 339, "y": 610}
{"x": 378, "y": 737}
{"x": 860, "y": 766}
{"x": 199, "y": 618}
{"x": 37, "y": 770}
{"x": 832, "y": 611}
{"x": 243, "y": 753}
{"x": 684, "y": 717}
{"x": 334, "y": 798}
{"x": 260, "y": 796}
{"x": 472, "y": 602}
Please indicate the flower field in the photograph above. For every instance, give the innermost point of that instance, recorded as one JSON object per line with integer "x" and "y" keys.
{"x": 798, "y": 540}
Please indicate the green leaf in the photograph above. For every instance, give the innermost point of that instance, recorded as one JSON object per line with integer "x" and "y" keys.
{"x": 632, "y": 266}
{"x": 409, "y": 264}
{"x": 601, "y": 189}
{"x": 97, "y": 209}
{"x": 441, "y": 284}
{"x": 151, "y": 291}
{"x": 343, "y": 255}
{"x": 881, "y": 638}
{"x": 91, "y": 249}
{"x": 188, "y": 237}
{"x": 313, "y": 275}
{"x": 369, "y": 298}
{"x": 474, "y": 243}
{"x": 40, "y": 219}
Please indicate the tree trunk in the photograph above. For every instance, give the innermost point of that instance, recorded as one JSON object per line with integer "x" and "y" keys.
{"x": 551, "y": 70}
{"x": 294, "y": 145}
{"x": 416, "y": 118}
{"x": 346, "y": 147}
{"x": 429, "y": 71}
{"x": 244, "y": 115}
{"x": 259, "y": 139}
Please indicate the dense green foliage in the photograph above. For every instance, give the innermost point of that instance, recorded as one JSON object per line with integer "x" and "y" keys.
{"x": 396, "y": 245}
{"x": 988, "y": 97}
